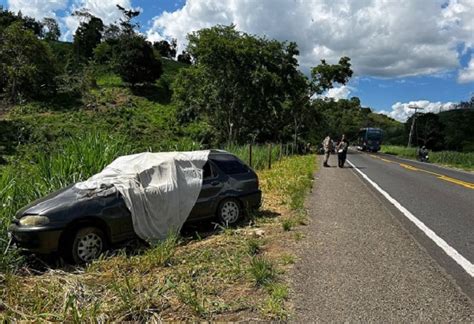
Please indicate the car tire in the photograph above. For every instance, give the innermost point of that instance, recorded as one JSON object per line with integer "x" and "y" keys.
{"x": 229, "y": 211}
{"x": 88, "y": 244}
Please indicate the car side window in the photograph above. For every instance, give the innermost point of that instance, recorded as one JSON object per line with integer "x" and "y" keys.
{"x": 230, "y": 165}
{"x": 208, "y": 171}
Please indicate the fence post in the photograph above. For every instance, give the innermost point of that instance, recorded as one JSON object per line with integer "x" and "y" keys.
{"x": 270, "y": 156}
{"x": 250, "y": 154}
{"x": 281, "y": 150}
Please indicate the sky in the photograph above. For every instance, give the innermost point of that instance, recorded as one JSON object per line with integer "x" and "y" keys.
{"x": 404, "y": 52}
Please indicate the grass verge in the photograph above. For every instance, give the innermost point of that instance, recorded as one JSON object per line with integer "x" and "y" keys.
{"x": 461, "y": 160}
{"x": 233, "y": 274}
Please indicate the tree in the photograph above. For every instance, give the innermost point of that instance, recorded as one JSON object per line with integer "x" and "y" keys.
{"x": 88, "y": 35}
{"x": 184, "y": 57}
{"x": 52, "y": 29}
{"x": 430, "y": 131}
{"x": 27, "y": 66}
{"x": 7, "y": 18}
{"x": 127, "y": 26}
{"x": 324, "y": 76}
{"x": 136, "y": 61}
{"x": 166, "y": 49}
{"x": 238, "y": 83}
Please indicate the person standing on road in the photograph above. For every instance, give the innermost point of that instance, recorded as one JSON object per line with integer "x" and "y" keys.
{"x": 341, "y": 149}
{"x": 327, "y": 146}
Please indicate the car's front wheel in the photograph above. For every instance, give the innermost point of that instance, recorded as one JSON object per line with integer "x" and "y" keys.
{"x": 229, "y": 211}
{"x": 88, "y": 244}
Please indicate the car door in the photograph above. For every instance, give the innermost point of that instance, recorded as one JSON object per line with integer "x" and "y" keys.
{"x": 212, "y": 185}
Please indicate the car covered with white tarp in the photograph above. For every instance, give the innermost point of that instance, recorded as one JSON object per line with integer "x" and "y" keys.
{"x": 148, "y": 195}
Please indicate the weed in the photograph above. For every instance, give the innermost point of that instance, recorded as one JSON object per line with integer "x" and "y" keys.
{"x": 287, "y": 224}
{"x": 254, "y": 246}
{"x": 298, "y": 236}
{"x": 262, "y": 270}
{"x": 274, "y": 304}
{"x": 287, "y": 259}
{"x": 161, "y": 253}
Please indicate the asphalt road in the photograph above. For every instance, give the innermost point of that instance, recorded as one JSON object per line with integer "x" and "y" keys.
{"x": 441, "y": 198}
{"x": 362, "y": 261}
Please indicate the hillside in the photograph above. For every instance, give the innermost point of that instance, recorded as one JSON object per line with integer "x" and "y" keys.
{"x": 143, "y": 117}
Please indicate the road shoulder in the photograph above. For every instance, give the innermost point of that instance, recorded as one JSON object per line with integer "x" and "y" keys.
{"x": 358, "y": 263}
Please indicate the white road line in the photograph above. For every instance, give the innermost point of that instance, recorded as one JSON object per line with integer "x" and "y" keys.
{"x": 450, "y": 251}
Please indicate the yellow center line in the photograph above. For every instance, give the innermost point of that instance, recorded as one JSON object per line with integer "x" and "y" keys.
{"x": 465, "y": 184}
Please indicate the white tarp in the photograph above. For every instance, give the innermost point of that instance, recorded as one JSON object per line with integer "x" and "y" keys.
{"x": 159, "y": 189}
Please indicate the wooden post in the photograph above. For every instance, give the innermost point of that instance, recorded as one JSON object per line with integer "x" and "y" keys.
{"x": 270, "y": 156}
{"x": 250, "y": 154}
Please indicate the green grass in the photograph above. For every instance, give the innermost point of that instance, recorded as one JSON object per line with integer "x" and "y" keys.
{"x": 462, "y": 160}
{"x": 261, "y": 153}
{"x": 262, "y": 270}
{"x": 179, "y": 278}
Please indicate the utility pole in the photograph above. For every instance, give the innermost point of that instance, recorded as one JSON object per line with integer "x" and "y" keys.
{"x": 413, "y": 122}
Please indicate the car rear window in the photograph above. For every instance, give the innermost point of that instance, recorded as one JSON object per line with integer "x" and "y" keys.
{"x": 230, "y": 165}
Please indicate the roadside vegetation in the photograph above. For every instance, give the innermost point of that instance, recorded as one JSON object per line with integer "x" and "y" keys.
{"x": 224, "y": 274}
{"x": 68, "y": 109}
{"x": 461, "y": 160}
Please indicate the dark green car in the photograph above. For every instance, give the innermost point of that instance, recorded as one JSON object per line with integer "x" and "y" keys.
{"x": 81, "y": 228}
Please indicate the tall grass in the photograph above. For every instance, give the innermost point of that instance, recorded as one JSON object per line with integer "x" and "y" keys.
{"x": 260, "y": 153}
{"x": 75, "y": 159}
{"x": 463, "y": 160}
{"x": 41, "y": 172}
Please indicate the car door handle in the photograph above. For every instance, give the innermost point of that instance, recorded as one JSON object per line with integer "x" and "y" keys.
{"x": 215, "y": 183}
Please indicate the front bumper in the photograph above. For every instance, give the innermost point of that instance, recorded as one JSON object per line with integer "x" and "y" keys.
{"x": 43, "y": 240}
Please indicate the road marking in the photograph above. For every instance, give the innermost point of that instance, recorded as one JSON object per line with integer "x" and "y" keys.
{"x": 409, "y": 167}
{"x": 466, "y": 184}
{"x": 450, "y": 251}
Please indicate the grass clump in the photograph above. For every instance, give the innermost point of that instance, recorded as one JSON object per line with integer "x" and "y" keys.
{"x": 287, "y": 224}
{"x": 254, "y": 246}
{"x": 160, "y": 253}
{"x": 274, "y": 303}
{"x": 287, "y": 259}
{"x": 262, "y": 270}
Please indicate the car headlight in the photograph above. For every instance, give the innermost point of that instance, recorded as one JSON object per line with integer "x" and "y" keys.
{"x": 34, "y": 220}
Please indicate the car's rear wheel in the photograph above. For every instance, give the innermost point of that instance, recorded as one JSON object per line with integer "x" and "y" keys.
{"x": 229, "y": 211}
{"x": 87, "y": 245}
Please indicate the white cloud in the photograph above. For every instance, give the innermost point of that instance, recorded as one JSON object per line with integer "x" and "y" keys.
{"x": 337, "y": 93}
{"x": 37, "y": 8}
{"x": 467, "y": 74}
{"x": 384, "y": 38}
{"x": 104, "y": 9}
{"x": 401, "y": 111}
{"x": 458, "y": 18}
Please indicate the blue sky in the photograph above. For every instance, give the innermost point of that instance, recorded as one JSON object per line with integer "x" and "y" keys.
{"x": 403, "y": 52}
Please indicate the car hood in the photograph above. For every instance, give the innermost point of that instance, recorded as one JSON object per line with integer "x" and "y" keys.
{"x": 59, "y": 201}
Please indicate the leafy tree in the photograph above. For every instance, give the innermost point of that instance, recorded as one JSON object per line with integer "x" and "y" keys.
{"x": 126, "y": 22}
{"x": 457, "y": 128}
{"x": 52, "y": 29}
{"x": 88, "y": 35}
{"x": 7, "y": 18}
{"x": 166, "y": 49}
{"x": 429, "y": 131}
{"x": 324, "y": 76}
{"x": 27, "y": 66}
{"x": 184, "y": 57}
{"x": 136, "y": 61}
{"x": 239, "y": 84}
